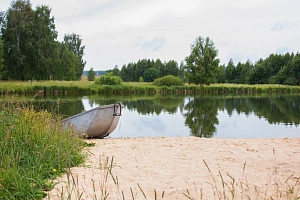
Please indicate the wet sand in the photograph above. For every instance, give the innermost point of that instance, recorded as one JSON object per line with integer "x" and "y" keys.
{"x": 185, "y": 168}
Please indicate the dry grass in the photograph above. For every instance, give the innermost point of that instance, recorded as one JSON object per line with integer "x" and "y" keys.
{"x": 224, "y": 187}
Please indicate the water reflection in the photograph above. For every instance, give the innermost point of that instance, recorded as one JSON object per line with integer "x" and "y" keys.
{"x": 201, "y": 116}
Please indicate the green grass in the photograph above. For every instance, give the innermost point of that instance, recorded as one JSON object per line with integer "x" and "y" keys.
{"x": 34, "y": 149}
{"x": 88, "y": 87}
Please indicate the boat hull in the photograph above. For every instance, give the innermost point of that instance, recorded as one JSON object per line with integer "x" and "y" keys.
{"x": 98, "y": 122}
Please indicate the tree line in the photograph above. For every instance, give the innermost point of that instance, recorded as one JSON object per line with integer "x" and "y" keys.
{"x": 275, "y": 69}
{"x": 147, "y": 70}
{"x": 29, "y": 48}
{"x": 202, "y": 67}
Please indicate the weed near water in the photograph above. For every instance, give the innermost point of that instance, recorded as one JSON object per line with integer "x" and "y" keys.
{"x": 224, "y": 186}
{"x": 34, "y": 148}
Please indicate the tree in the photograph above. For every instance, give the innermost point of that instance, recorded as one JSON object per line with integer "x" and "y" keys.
{"x": 68, "y": 62}
{"x": 28, "y": 41}
{"x": 172, "y": 68}
{"x": 201, "y": 116}
{"x": 115, "y": 71}
{"x": 91, "y": 75}
{"x": 230, "y": 68}
{"x": 1, "y": 59}
{"x": 246, "y": 69}
{"x": 258, "y": 75}
{"x": 151, "y": 74}
{"x": 43, "y": 46}
{"x": 181, "y": 70}
{"x": 160, "y": 67}
{"x": 74, "y": 43}
{"x": 17, "y": 37}
{"x": 221, "y": 77}
{"x": 294, "y": 67}
{"x": 202, "y": 64}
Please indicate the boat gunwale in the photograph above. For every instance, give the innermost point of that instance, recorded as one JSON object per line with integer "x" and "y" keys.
{"x": 84, "y": 112}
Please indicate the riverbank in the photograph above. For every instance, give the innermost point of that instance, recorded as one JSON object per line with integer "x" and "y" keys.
{"x": 185, "y": 168}
{"x": 31, "y": 88}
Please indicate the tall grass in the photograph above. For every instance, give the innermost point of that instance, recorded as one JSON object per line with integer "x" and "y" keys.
{"x": 88, "y": 87}
{"x": 34, "y": 148}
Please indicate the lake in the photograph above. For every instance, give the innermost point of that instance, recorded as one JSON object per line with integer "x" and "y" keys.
{"x": 245, "y": 116}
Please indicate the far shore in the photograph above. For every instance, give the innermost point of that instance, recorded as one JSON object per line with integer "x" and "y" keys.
{"x": 185, "y": 168}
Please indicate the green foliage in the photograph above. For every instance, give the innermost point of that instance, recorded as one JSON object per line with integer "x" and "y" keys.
{"x": 34, "y": 147}
{"x": 115, "y": 71}
{"x": 202, "y": 64}
{"x": 1, "y": 59}
{"x": 230, "y": 76}
{"x": 141, "y": 80}
{"x": 258, "y": 75}
{"x": 91, "y": 75}
{"x": 221, "y": 77}
{"x": 151, "y": 74}
{"x": 16, "y": 31}
{"x": 68, "y": 62}
{"x": 108, "y": 79}
{"x": 169, "y": 80}
{"x": 74, "y": 43}
{"x": 30, "y": 47}
{"x": 29, "y": 41}
{"x": 149, "y": 70}
{"x": 275, "y": 69}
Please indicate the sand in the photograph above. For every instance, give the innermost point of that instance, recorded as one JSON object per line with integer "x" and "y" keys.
{"x": 185, "y": 168}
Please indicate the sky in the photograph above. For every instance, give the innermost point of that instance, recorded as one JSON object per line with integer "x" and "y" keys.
{"x": 118, "y": 32}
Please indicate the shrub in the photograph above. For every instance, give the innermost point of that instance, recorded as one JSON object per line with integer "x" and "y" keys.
{"x": 109, "y": 79}
{"x": 169, "y": 80}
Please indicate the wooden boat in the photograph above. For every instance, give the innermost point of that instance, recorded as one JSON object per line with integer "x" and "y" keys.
{"x": 98, "y": 122}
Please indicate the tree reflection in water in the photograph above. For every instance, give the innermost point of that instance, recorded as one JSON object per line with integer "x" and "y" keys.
{"x": 201, "y": 116}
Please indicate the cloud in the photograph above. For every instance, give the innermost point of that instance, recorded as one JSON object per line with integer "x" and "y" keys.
{"x": 279, "y": 26}
{"x": 282, "y": 50}
{"x": 153, "y": 44}
{"x": 117, "y": 32}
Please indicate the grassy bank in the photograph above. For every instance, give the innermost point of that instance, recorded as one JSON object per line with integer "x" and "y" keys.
{"x": 87, "y": 88}
{"x": 34, "y": 149}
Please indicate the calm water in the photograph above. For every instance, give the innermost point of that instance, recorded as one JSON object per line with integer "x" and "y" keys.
{"x": 202, "y": 116}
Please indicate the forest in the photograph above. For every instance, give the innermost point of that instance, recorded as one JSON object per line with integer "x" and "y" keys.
{"x": 275, "y": 69}
{"x": 29, "y": 50}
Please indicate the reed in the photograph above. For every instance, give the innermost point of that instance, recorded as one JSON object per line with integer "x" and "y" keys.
{"x": 87, "y": 88}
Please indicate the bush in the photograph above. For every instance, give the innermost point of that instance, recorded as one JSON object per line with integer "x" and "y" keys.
{"x": 109, "y": 79}
{"x": 169, "y": 80}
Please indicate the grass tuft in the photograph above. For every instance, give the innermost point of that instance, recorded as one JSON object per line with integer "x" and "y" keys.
{"x": 34, "y": 149}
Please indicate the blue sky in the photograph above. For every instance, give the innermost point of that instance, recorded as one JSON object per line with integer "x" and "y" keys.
{"x": 117, "y": 32}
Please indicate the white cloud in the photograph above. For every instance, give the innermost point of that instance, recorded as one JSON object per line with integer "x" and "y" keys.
{"x": 240, "y": 29}
{"x": 152, "y": 44}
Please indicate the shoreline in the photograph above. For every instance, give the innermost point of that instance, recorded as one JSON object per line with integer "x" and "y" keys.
{"x": 185, "y": 168}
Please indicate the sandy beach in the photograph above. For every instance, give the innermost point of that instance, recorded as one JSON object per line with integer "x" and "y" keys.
{"x": 185, "y": 168}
